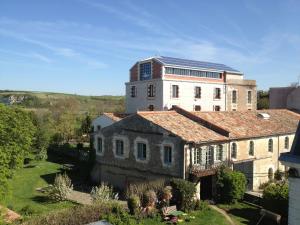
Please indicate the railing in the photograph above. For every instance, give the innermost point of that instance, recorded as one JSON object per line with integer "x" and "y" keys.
{"x": 207, "y": 169}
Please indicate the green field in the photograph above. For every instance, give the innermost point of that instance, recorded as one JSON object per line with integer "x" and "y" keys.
{"x": 23, "y": 186}
{"x": 82, "y": 104}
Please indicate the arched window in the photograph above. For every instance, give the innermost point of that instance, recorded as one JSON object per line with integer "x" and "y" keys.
{"x": 219, "y": 152}
{"x": 270, "y": 174}
{"x": 251, "y": 148}
{"x": 286, "y": 143}
{"x": 270, "y": 145}
{"x": 233, "y": 150}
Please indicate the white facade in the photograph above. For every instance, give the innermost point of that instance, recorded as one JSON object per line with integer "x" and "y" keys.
{"x": 101, "y": 122}
{"x": 163, "y": 99}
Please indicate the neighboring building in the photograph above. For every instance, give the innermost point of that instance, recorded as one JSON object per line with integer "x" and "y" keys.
{"x": 191, "y": 145}
{"x": 106, "y": 119}
{"x": 292, "y": 160}
{"x": 158, "y": 83}
{"x": 285, "y": 98}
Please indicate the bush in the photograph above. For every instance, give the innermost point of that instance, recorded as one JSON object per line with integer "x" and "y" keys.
{"x": 183, "y": 193}
{"x": 275, "y": 198}
{"x": 28, "y": 210}
{"x": 73, "y": 216}
{"x": 201, "y": 205}
{"x": 231, "y": 185}
{"x": 149, "y": 198}
{"x": 119, "y": 216}
{"x": 139, "y": 189}
{"x": 103, "y": 193}
{"x": 61, "y": 188}
{"x": 133, "y": 204}
{"x": 278, "y": 175}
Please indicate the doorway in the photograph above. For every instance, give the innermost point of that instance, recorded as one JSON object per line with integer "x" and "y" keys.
{"x": 206, "y": 188}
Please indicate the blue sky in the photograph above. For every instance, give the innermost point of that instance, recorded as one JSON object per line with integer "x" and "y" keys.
{"x": 87, "y": 46}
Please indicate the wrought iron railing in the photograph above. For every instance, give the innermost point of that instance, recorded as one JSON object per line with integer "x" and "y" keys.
{"x": 202, "y": 168}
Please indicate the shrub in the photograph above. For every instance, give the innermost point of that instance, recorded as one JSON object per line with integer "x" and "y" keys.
{"x": 61, "y": 188}
{"x": 28, "y": 210}
{"x": 201, "y": 205}
{"x": 149, "y": 198}
{"x": 133, "y": 204}
{"x": 275, "y": 198}
{"x": 139, "y": 189}
{"x": 231, "y": 185}
{"x": 77, "y": 215}
{"x": 278, "y": 175}
{"x": 183, "y": 193}
{"x": 103, "y": 193}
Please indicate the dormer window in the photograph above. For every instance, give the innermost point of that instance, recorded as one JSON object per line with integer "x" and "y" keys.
{"x": 145, "y": 71}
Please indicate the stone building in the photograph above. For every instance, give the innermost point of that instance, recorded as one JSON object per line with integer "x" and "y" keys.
{"x": 192, "y": 145}
{"x": 158, "y": 83}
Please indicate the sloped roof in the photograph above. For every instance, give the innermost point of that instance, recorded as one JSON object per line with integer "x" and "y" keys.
{"x": 170, "y": 61}
{"x": 116, "y": 116}
{"x": 182, "y": 126}
{"x": 247, "y": 124}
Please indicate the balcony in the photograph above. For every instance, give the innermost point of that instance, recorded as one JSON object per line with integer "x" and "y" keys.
{"x": 202, "y": 170}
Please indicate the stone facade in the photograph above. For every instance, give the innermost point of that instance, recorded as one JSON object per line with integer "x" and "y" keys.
{"x": 242, "y": 88}
{"x": 124, "y": 170}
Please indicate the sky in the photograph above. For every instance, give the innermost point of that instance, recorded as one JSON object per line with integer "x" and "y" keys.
{"x": 88, "y": 46}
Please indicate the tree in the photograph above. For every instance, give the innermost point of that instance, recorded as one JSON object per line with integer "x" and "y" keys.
{"x": 16, "y": 139}
{"x": 262, "y": 100}
{"x": 231, "y": 185}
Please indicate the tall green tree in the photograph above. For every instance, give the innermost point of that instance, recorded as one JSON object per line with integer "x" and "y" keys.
{"x": 16, "y": 138}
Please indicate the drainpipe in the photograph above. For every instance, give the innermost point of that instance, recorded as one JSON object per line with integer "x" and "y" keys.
{"x": 184, "y": 152}
{"x": 278, "y": 154}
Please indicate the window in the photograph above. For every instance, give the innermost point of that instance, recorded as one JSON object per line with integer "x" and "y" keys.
{"x": 197, "y": 156}
{"x": 119, "y": 147}
{"x": 270, "y": 145}
{"x": 141, "y": 151}
{"x": 251, "y": 148}
{"x": 167, "y": 154}
{"x": 217, "y": 93}
{"x": 145, "y": 71}
{"x": 151, "y": 90}
{"x": 99, "y": 145}
{"x": 133, "y": 91}
{"x": 286, "y": 143}
{"x": 151, "y": 107}
{"x": 197, "y": 108}
{"x": 233, "y": 150}
{"x": 98, "y": 127}
{"x": 234, "y": 96}
{"x": 270, "y": 174}
{"x": 217, "y": 108}
{"x": 249, "y": 97}
{"x": 175, "y": 91}
{"x": 194, "y": 73}
{"x": 197, "y": 92}
{"x": 219, "y": 152}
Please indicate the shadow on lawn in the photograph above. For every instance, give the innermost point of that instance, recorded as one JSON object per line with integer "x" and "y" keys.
{"x": 41, "y": 199}
{"x": 250, "y": 216}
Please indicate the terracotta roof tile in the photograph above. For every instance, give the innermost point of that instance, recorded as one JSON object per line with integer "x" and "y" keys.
{"x": 181, "y": 126}
{"x": 243, "y": 124}
{"x": 116, "y": 116}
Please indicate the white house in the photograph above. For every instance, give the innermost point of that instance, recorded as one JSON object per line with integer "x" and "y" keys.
{"x": 158, "y": 83}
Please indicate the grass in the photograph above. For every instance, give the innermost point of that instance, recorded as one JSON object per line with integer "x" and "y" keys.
{"x": 22, "y": 189}
{"x": 243, "y": 213}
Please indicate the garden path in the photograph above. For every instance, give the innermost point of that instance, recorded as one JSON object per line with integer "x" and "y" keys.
{"x": 223, "y": 213}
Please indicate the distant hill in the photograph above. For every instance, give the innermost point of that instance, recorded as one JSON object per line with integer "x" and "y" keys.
{"x": 45, "y": 100}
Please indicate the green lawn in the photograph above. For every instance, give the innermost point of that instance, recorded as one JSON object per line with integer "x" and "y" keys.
{"x": 243, "y": 213}
{"x": 22, "y": 188}
{"x": 204, "y": 217}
